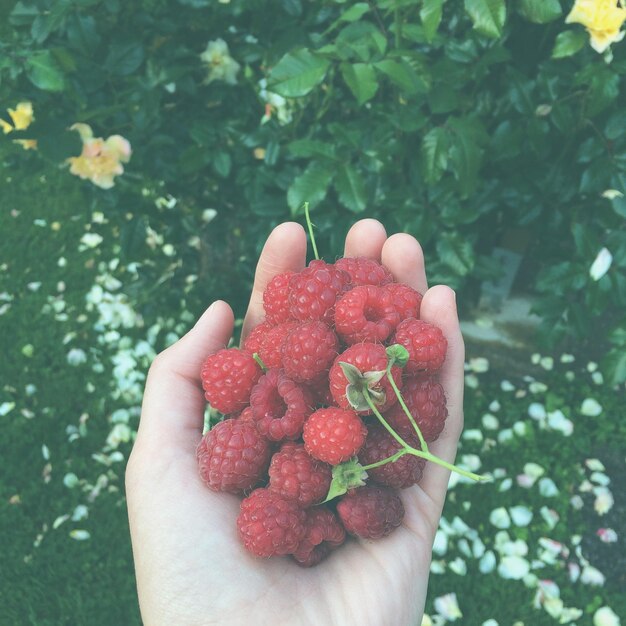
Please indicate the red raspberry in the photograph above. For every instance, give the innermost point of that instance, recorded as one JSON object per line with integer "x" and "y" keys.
{"x": 276, "y": 298}
{"x": 279, "y": 406}
{"x": 227, "y": 379}
{"x": 314, "y": 290}
{"x": 272, "y": 344}
{"x": 333, "y": 435}
{"x": 321, "y": 392}
{"x": 233, "y": 456}
{"x": 269, "y": 525}
{"x": 365, "y": 313}
{"x": 308, "y": 351}
{"x": 324, "y": 533}
{"x": 296, "y": 475}
{"x": 366, "y": 357}
{"x": 426, "y": 345}
{"x": 254, "y": 340}
{"x": 371, "y": 512}
{"x": 426, "y": 401}
{"x": 401, "y": 473}
{"x": 246, "y": 415}
{"x": 406, "y": 300}
{"x": 364, "y": 271}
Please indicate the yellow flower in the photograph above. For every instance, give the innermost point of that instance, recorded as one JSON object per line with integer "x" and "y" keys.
{"x": 602, "y": 19}
{"x": 101, "y": 160}
{"x": 22, "y": 117}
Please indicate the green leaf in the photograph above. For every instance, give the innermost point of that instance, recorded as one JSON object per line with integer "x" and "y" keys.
{"x": 615, "y": 364}
{"x": 23, "y": 13}
{"x": 361, "y": 79}
{"x": 297, "y": 73}
{"x": 403, "y": 75}
{"x": 457, "y": 253}
{"x": 307, "y": 148}
{"x": 44, "y": 72}
{"x": 311, "y": 186}
{"x": 430, "y": 14}
{"x": 435, "y": 147}
{"x": 465, "y": 153}
{"x": 540, "y": 11}
{"x": 488, "y": 16}
{"x": 222, "y": 163}
{"x": 355, "y": 12}
{"x": 124, "y": 58}
{"x": 568, "y": 42}
{"x": 351, "y": 189}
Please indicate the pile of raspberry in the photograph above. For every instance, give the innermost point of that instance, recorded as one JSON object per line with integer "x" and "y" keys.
{"x": 291, "y": 422}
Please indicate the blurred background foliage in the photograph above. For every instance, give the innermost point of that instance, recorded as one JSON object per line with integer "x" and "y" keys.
{"x": 454, "y": 121}
{"x": 467, "y": 124}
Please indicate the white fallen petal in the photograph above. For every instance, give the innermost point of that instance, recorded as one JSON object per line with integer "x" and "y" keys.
{"x": 70, "y": 480}
{"x": 440, "y": 545}
{"x": 464, "y": 548}
{"x": 537, "y": 387}
{"x": 448, "y": 607}
{"x": 550, "y": 516}
{"x": 487, "y": 563}
{"x": 458, "y": 566}
{"x": 59, "y": 520}
{"x": 573, "y": 570}
{"x": 547, "y": 488}
{"x": 479, "y": 365}
{"x": 520, "y": 429}
{"x": 604, "y": 500}
{"x": 595, "y": 465}
{"x": 478, "y": 548}
{"x": 521, "y": 515}
{"x": 6, "y": 407}
{"x": 506, "y": 385}
{"x": 513, "y": 567}
{"x": 591, "y": 407}
{"x": 600, "y": 478}
{"x": 505, "y": 485}
{"x": 534, "y": 470}
{"x": 605, "y": 616}
{"x": 494, "y": 406}
{"x": 490, "y": 422}
{"x": 490, "y": 622}
{"x": 607, "y": 535}
{"x": 547, "y": 362}
{"x": 558, "y": 421}
{"x": 601, "y": 264}
{"x": 438, "y": 567}
{"x": 500, "y": 518}
{"x": 80, "y": 535}
{"x": 592, "y": 576}
{"x": 473, "y": 434}
{"x": 506, "y": 434}
{"x": 611, "y": 194}
{"x": 537, "y": 411}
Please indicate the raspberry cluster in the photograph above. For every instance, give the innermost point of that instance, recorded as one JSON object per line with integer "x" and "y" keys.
{"x": 313, "y": 435}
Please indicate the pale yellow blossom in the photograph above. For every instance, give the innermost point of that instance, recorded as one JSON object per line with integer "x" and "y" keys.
{"x": 101, "y": 160}
{"x": 603, "y": 20}
{"x": 22, "y": 117}
{"x": 221, "y": 65}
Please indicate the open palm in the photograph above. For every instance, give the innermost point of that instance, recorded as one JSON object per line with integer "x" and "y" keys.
{"x": 191, "y": 568}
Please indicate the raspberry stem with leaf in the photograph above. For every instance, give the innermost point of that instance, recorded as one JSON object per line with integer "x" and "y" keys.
{"x": 410, "y": 450}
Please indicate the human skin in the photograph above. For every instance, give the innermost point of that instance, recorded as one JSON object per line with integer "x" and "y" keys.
{"x": 190, "y": 565}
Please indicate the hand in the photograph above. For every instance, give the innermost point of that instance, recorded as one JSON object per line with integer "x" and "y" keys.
{"x": 191, "y": 568}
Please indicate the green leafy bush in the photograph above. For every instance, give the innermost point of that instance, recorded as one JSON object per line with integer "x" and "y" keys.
{"x": 454, "y": 121}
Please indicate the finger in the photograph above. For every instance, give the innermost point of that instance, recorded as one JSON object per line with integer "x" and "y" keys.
{"x": 404, "y": 258}
{"x": 173, "y": 406}
{"x": 365, "y": 238}
{"x": 285, "y": 249}
{"x": 439, "y": 308}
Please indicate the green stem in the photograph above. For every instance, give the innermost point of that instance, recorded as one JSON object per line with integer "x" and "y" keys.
{"x": 453, "y": 468}
{"x": 406, "y": 409}
{"x": 310, "y": 227}
{"x": 407, "y": 449}
{"x": 383, "y": 421}
{"x": 257, "y": 358}
{"x": 389, "y": 459}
